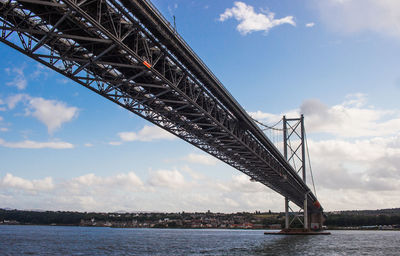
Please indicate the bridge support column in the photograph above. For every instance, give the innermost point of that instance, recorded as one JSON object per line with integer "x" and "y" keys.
{"x": 286, "y": 213}
{"x": 305, "y": 212}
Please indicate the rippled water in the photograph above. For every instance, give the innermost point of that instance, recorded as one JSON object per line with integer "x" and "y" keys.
{"x": 51, "y": 240}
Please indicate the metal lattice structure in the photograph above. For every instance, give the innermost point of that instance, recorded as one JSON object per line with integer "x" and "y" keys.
{"x": 127, "y": 52}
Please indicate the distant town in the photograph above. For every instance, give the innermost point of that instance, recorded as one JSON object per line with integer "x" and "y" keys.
{"x": 386, "y": 219}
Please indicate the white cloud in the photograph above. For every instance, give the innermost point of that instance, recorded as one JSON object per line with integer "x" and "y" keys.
{"x": 193, "y": 174}
{"x": 85, "y": 193}
{"x": 19, "y": 80}
{"x": 29, "y": 144}
{"x": 166, "y": 178}
{"x": 147, "y": 133}
{"x": 201, "y": 159}
{"x": 3, "y": 129}
{"x": 128, "y": 180}
{"x": 52, "y": 113}
{"x": 360, "y": 159}
{"x": 338, "y": 188}
{"x": 12, "y": 101}
{"x": 310, "y": 25}
{"x": 115, "y": 143}
{"x": 351, "y": 16}
{"x": 88, "y": 145}
{"x": 241, "y": 183}
{"x": 357, "y": 172}
{"x": 231, "y": 202}
{"x": 168, "y": 191}
{"x": 250, "y": 21}
{"x": 10, "y": 181}
{"x": 349, "y": 119}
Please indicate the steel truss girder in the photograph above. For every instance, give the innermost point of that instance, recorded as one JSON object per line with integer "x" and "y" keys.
{"x": 103, "y": 46}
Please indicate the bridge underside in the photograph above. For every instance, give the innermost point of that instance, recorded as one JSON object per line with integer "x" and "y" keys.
{"x": 126, "y": 51}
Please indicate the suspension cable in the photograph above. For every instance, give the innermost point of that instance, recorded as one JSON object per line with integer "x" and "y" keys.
{"x": 309, "y": 163}
{"x": 272, "y": 127}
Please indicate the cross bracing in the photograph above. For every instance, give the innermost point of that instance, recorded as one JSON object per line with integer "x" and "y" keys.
{"x": 127, "y": 52}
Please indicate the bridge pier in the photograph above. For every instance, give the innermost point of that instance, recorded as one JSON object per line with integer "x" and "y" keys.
{"x": 316, "y": 221}
{"x": 312, "y": 223}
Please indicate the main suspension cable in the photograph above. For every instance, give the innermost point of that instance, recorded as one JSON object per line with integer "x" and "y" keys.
{"x": 309, "y": 163}
{"x": 272, "y": 127}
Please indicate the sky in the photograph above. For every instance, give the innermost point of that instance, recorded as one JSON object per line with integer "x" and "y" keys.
{"x": 63, "y": 147}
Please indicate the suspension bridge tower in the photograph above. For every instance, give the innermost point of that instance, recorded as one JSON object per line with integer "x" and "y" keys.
{"x": 295, "y": 151}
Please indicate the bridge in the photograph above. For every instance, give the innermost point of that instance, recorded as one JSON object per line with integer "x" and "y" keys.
{"x": 127, "y": 52}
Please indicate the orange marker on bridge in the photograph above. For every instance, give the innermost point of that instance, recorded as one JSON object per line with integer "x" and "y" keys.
{"x": 146, "y": 64}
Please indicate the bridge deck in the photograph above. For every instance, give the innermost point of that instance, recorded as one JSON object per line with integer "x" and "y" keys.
{"x": 127, "y": 52}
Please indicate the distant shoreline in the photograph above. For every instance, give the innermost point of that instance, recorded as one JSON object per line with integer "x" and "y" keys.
{"x": 180, "y": 228}
{"x": 388, "y": 219}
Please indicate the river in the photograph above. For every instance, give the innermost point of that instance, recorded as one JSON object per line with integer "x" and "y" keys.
{"x": 57, "y": 240}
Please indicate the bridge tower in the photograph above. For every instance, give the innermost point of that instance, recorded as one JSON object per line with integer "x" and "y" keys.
{"x": 293, "y": 131}
{"x": 294, "y": 150}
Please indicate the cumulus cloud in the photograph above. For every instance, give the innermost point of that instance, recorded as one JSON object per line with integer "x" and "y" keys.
{"x": 51, "y": 113}
{"x": 200, "y": 159}
{"x": 10, "y": 181}
{"x": 19, "y": 80}
{"x": 369, "y": 164}
{"x": 241, "y": 183}
{"x": 87, "y": 192}
{"x": 167, "y": 178}
{"x": 127, "y": 180}
{"x": 358, "y": 152}
{"x": 250, "y": 21}
{"x": 29, "y": 144}
{"x": 352, "y": 174}
{"x": 350, "y": 119}
{"x": 193, "y": 174}
{"x": 351, "y": 16}
{"x": 165, "y": 190}
{"x": 147, "y": 133}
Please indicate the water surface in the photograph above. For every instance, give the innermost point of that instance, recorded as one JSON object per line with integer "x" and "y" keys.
{"x": 56, "y": 240}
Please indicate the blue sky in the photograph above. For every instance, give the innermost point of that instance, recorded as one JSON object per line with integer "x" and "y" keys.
{"x": 62, "y": 147}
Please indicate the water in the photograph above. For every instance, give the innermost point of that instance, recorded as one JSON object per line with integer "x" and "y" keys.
{"x": 54, "y": 240}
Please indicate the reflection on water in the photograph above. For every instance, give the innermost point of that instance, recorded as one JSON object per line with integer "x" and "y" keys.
{"x": 46, "y": 240}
